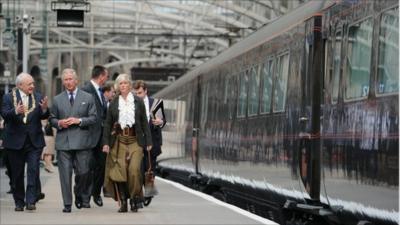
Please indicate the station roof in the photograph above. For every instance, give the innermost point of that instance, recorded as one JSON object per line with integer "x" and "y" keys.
{"x": 152, "y": 33}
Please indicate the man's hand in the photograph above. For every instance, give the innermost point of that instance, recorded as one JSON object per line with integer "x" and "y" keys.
{"x": 44, "y": 104}
{"x": 106, "y": 149}
{"x": 72, "y": 121}
{"x": 20, "y": 108}
{"x": 63, "y": 123}
{"x": 157, "y": 121}
{"x": 148, "y": 148}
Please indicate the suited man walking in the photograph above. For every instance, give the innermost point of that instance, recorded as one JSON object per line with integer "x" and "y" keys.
{"x": 98, "y": 160}
{"x": 72, "y": 113}
{"x": 156, "y": 124}
{"x": 22, "y": 110}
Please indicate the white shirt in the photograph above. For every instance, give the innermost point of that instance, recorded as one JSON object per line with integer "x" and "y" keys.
{"x": 96, "y": 86}
{"x": 147, "y": 105}
{"x": 73, "y": 93}
{"x": 25, "y": 99}
{"x": 126, "y": 111}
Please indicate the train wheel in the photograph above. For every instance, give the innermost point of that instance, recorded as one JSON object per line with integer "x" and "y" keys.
{"x": 219, "y": 195}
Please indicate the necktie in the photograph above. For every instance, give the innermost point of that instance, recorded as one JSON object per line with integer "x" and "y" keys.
{"x": 71, "y": 98}
{"x": 103, "y": 100}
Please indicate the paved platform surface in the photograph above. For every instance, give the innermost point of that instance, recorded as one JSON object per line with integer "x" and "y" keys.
{"x": 175, "y": 204}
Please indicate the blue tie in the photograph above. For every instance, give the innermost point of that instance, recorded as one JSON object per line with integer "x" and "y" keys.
{"x": 71, "y": 98}
{"x": 103, "y": 100}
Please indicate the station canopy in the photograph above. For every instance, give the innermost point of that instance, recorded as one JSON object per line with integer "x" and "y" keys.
{"x": 151, "y": 33}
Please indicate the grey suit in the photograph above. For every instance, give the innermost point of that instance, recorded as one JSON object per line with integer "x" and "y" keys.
{"x": 73, "y": 144}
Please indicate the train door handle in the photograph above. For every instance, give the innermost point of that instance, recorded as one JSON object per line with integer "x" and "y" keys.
{"x": 303, "y": 119}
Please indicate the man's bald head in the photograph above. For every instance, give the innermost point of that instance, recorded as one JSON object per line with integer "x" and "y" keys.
{"x": 25, "y": 83}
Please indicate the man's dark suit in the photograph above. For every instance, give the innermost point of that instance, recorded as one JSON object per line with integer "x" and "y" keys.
{"x": 156, "y": 138}
{"x": 98, "y": 161}
{"x": 24, "y": 142}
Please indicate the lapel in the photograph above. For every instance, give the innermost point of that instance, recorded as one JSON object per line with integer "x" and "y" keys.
{"x": 19, "y": 99}
{"x": 77, "y": 102}
{"x": 95, "y": 92}
{"x": 30, "y": 101}
{"x": 67, "y": 104}
{"x": 114, "y": 108}
{"x": 151, "y": 101}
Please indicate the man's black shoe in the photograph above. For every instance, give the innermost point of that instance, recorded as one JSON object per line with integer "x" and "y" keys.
{"x": 10, "y": 191}
{"x": 147, "y": 201}
{"x": 98, "y": 201}
{"x": 30, "y": 207}
{"x": 78, "y": 203}
{"x": 67, "y": 209}
{"x": 40, "y": 197}
{"x": 19, "y": 209}
{"x": 85, "y": 205}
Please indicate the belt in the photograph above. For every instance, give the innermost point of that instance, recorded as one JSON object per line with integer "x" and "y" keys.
{"x": 127, "y": 131}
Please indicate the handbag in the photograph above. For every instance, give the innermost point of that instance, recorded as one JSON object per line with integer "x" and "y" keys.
{"x": 116, "y": 172}
{"x": 150, "y": 189}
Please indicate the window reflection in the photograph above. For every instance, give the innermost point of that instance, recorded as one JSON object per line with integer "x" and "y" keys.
{"x": 281, "y": 83}
{"x": 359, "y": 59}
{"x": 267, "y": 86}
{"x": 388, "y": 64}
{"x": 336, "y": 66}
{"x": 254, "y": 91}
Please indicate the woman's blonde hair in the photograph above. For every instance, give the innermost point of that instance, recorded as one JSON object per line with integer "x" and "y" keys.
{"x": 119, "y": 79}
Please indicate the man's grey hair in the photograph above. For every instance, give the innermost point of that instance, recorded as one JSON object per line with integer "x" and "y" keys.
{"x": 120, "y": 78}
{"x": 67, "y": 71}
{"x": 20, "y": 78}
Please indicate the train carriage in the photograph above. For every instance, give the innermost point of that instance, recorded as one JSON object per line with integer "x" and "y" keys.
{"x": 297, "y": 122}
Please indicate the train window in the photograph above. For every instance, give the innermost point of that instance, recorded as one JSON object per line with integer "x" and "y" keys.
{"x": 336, "y": 66}
{"x": 232, "y": 96}
{"x": 388, "y": 62}
{"x": 280, "y": 84}
{"x": 204, "y": 102}
{"x": 243, "y": 80}
{"x": 359, "y": 59}
{"x": 266, "y": 73}
{"x": 254, "y": 90}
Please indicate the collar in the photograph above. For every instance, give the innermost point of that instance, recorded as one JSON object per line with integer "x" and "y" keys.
{"x": 146, "y": 99}
{"x": 96, "y": 86}
{"x": 74, "y": 91}
{"x": 22, "y": 94}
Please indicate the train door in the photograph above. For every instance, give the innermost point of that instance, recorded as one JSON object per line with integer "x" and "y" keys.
{"x": 196, "y": 123}
{"x": 311, "y": 81}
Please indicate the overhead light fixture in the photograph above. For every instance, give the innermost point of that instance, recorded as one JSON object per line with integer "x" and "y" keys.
{"x": 70, "y": 13}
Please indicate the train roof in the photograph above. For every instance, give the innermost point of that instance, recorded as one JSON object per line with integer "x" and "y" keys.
{"x": 265, "y": 33}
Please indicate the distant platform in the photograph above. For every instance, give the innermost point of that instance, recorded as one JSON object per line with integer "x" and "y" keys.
{"x": 175, "y": 204}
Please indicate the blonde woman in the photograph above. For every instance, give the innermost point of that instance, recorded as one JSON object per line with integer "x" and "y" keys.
{"x": 126, "y": 132}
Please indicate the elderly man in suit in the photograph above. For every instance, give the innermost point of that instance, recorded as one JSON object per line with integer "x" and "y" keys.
{"x": 98, "y": 160}
{"x": 22, "y": 110}
{"x": 72, "y": 113}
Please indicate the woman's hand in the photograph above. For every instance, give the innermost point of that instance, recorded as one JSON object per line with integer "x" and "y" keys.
{"x": 106, "y": 149}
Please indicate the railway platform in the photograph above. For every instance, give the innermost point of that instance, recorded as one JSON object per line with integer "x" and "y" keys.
{"x": 175, "y": 204}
